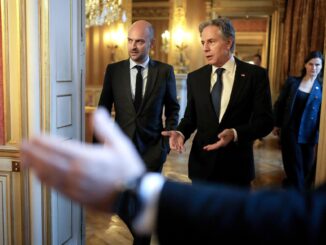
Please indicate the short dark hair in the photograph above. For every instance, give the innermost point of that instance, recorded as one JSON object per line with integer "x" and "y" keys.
{"x": 258, "y": 56}
{"x": 225, "y": 27}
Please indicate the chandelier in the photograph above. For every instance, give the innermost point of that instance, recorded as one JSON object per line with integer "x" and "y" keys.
{"x": 100, "y": 12}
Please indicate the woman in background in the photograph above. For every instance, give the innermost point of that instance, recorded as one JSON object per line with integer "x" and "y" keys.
{"x": 297, "y": 112}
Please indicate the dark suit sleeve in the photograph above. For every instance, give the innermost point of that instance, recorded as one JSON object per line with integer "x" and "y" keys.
{"x": 171, "y": 103}
{"x": 201, "y": 214}
{"x": 106, "y": 98}
{"x": 188, "y": 123}
{"x": 280, "y": 103}
{"x": 261, "y": 120}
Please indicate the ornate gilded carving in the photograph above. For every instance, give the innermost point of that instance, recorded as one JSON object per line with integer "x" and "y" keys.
{"x": 150, "y": 12}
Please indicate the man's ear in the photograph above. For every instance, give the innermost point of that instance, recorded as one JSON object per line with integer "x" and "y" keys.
{"x": 229, "y": 43}
{"x": 152, "y": 43}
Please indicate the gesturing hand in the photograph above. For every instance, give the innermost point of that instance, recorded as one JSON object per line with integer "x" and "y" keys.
{"x": 89, "y": 174}
{"x": 225, "y": 137}
{"x": 176, "y": 140}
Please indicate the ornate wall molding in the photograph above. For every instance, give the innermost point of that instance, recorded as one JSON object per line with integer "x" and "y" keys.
{"x": 245, "y": 7}
{"x": 5, "y": 220}
{"x": 13, "y": 70}
{"x": 148, "y": 11}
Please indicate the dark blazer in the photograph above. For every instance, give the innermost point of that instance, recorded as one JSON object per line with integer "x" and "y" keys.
{"x": 249, "y": 112}
{"x": 145, "y": 126}
{"x": 197, "y": 214}
{"x": 283, "y": 108}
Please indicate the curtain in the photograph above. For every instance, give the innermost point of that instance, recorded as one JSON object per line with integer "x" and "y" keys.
{"x": 304, "y": 31}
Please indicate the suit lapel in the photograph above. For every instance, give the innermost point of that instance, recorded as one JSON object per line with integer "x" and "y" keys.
{"x": 126, "y": 84}
{"x": 205, "y": 89}
{"x": 151, "y": 81}
{"x": 240, "y": 78}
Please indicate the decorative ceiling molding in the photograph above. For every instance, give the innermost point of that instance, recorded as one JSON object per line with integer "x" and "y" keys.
{"x": 247, "y": 8}
{"x": 150, "y": 4}
{"x": 152, "y": 12}
{"x": 148, "y": 1}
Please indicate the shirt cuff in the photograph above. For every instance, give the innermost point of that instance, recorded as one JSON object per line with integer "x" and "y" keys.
{"x": 181, "y": 134}
{"x": 235, "y": 135}
{"x": 149, "y": 193}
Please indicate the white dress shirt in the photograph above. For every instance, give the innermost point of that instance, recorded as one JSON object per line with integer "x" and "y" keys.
{"x": 133, "y": 74}
{"x": 149, "y": 193}
{"x": 227, "y": 81}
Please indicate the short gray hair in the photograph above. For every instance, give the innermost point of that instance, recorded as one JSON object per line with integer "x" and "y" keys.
{"x": 225, "y": 27}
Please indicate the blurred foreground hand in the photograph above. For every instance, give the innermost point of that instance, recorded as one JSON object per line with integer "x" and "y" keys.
{"x": 89, "y": 174}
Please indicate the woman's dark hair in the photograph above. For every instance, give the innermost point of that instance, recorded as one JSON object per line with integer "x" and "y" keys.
{"x": 313, "y": 55}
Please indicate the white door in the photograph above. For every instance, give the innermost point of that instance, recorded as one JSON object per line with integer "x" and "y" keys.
{"x": 43, "y": 67}
{"x": 66, "y": 56}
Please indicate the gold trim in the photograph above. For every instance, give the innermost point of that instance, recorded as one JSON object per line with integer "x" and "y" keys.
{"x": 45, "y": 107}
{"x": 23, "y": 65}
{"x": 151, "y": 4}
{"x": 13, "y": 73}
{"x": 151, "y": 13}
{"x": 5, "y": 63}
{"x": 9, "y": 152}
{"x": 45, "y": 92}
{"x": 90, "y": 109}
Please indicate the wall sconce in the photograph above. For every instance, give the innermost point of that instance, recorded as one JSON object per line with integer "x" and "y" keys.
{"x": 113, "y": 38}
{"x": 165, "y": 41}
{"x": 179, "y": 38}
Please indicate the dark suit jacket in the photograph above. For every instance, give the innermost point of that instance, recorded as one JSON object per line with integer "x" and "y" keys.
{"x": 249, "y": 112}
{"x": 218, "y": 215}
{"x": 283, "y": 108}
{"x": 145, "y": 126}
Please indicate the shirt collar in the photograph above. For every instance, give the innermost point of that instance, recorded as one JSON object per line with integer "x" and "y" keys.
{"x": 228, "y": 66}
{"x": 144, "y": 64}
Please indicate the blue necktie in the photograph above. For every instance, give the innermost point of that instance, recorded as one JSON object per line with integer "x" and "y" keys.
{"x": 217, "y": 92}
{"x": 139, "y": 88}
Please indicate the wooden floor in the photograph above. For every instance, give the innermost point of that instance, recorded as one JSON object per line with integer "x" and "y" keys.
{"x": 101, "y": 229}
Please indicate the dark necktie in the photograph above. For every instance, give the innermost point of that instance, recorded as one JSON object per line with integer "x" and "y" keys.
{"x": 139, "y": 88}
{"x": 217, "y": 92}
